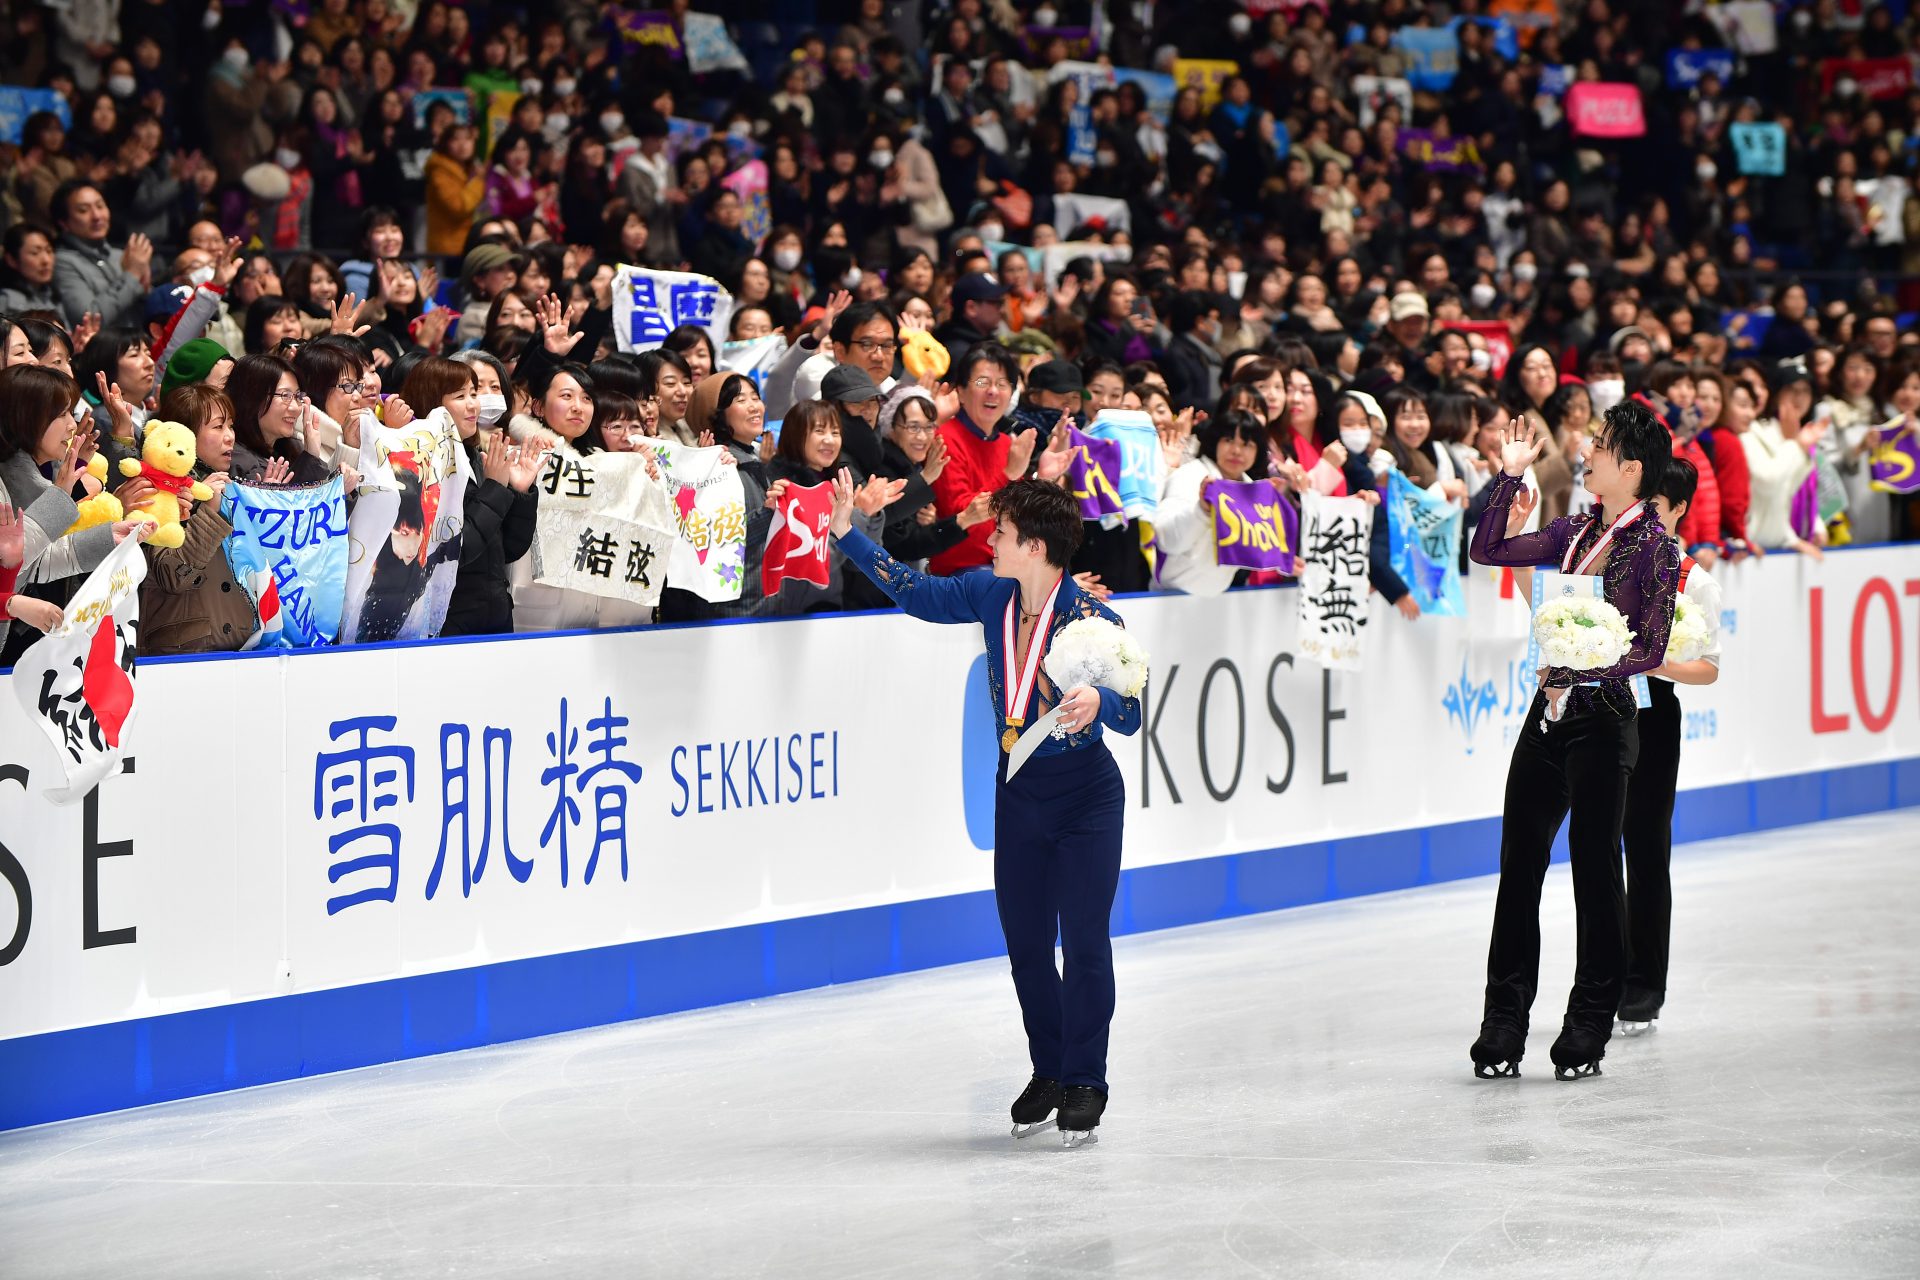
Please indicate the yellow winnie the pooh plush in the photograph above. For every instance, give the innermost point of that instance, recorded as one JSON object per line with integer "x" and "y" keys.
{"x": 102, "y": 507}
{"x": 167, "y": 456}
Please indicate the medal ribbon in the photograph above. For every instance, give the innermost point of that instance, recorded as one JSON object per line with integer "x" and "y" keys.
{"x": 1017, "y": 696}
{"x": 1627, "y": 517}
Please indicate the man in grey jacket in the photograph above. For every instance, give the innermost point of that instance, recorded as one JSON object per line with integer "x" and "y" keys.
{"x": 88, "y": 273}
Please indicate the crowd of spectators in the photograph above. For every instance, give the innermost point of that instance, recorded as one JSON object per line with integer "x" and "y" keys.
{"x": 264, "y": 219}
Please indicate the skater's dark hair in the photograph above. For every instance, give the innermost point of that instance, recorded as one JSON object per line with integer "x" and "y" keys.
{"x": 1043, "y": 512}
{"x": 1679, "y": 485}
{"x": 1632, "y": 434}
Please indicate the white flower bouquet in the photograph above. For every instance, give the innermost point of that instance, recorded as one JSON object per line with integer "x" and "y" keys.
{"x": 1093, "y": 651}
{"x": 1689, "y": 636}
{"x": 1581, "y": 633}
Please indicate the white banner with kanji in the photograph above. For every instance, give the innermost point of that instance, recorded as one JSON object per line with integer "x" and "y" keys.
{"x": 710, "y": 510}
{"x": 76, "y": 682}
{"x": 649, "y": 304}
{"x": 605, "y": 526}
{"x": 1333, "y": 579}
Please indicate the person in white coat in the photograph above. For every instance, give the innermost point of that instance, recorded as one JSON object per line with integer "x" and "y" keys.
{"x": 1232, "y": 447}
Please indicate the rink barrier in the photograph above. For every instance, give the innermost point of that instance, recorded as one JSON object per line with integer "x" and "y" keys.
{"x": 243, "y": 974}
{"x": 64, "y": 1074}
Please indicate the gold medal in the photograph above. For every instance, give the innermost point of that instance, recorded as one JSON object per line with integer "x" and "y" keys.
{"x": 1009, "y": 738}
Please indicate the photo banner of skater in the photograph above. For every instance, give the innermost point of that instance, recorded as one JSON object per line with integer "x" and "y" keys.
{"x": 403, "y": 536}
{"x": 709, "y": 509}
{"x": 1254, "y": 527}
{"x": 709, "y": 47}
{"x": 1375, "y": 93}
{"x": 749, "y": 182}
{"x": 1333, "y": 579}
{"x": 1423, "y": 538}
{"x": 605, "y": 525}
{"x": 295, "y": 539}
{"x": 442, "y": 815}
{"x": 650, "y": 304}
{"x": 1142, "y": 464}
{"x": 1093, "y": 477}
{"x": 1896, "y": 463}
{"x": 798, "y": 546}
{"x": 76, "y": 682}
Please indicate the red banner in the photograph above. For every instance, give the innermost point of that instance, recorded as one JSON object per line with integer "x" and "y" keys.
{"x": 1878, "y": 78}
{"x": 797, "y": 544}
{"x": 1606, "y": 110}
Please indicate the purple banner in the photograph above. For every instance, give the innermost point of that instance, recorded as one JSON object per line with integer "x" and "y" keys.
{"x": 1804, "y": 513}
{"x": 1440, "y": 155}
{"x": 1094, "y": 476}
{"x": 1253, "y": 526}
{"x": 642, "y": 28}
{"x": 1082, "y": 44}
{"x": 1896, "y": 463}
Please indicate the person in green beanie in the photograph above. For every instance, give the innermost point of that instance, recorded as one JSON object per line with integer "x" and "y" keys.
{"x": 202, "y": 360}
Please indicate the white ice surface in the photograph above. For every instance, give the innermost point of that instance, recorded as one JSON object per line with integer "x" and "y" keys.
{"x": 1292, "y": 1096}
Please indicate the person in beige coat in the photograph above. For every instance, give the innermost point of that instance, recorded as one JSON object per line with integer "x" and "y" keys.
{"x": 919, "y": 182}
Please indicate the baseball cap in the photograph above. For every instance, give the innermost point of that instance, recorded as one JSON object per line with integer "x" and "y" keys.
{"x": 849, "y": 384}
{"x": 167, "y": 299}
{"x": 981, "y": 286}
{"x": 486, "y": 257}
{"x": 1405, "y": 305}
{"x": 1058, "y": 377}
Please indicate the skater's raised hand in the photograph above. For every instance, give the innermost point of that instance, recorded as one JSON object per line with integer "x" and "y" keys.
{"x": 843, "y": 497}
{"x": 1520, "y": 447}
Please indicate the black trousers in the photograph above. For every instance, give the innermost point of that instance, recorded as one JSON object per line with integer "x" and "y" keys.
{"x": 1579, "y": 765}
{"x": 1056, "y": 866}
{"x": 1647, "y": 832}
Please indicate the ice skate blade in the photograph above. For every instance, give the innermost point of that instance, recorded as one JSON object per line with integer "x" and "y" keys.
{"x": 1028, "y": 1130}
{"x": 1579, "y": 1071}
{"x": 1635, "y": 1028}
{"x": 1074, "y": 1138}
{"x": 1497, "y": 1071}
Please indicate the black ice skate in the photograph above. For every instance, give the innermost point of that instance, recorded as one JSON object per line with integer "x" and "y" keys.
{"x": 1577, "y": 1053}
{"x": 1639, "y": 1008}
{"x": 1033, "y": 1109}
{"x": 1497, "y": 1053}
{"x": 1080, "y": 1108}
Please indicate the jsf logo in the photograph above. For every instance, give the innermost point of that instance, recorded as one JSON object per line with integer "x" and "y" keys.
{"x": 1468, "y": 703}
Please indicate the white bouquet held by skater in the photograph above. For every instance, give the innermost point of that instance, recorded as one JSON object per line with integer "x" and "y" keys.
{"x": 1098, "y": 654}
{"x": 1581, "y": 633}
{"x": 1689, "y": 637}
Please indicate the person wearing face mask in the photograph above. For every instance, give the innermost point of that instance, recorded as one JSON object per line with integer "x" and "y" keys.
{"x": 501, "y": 505}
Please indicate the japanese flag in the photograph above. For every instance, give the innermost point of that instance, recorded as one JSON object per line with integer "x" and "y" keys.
{"x": 76, "y": 682}
{"x": 797, "y": 544}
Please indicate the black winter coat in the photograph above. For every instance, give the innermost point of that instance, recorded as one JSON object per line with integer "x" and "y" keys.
{"x": 499, "y": 530}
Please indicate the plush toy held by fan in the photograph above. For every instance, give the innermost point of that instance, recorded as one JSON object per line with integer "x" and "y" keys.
{"x": 922, "y": 355}
{"x": 166, "y": 461}
{"x": 102, "y": 507}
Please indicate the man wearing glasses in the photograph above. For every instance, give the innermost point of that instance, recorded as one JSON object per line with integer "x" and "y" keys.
{"x": 865, "y": 335}
{"x": 981, "y": 457}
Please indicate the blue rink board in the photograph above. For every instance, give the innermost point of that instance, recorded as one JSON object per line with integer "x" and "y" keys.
{"x": 87, "y": 1070}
